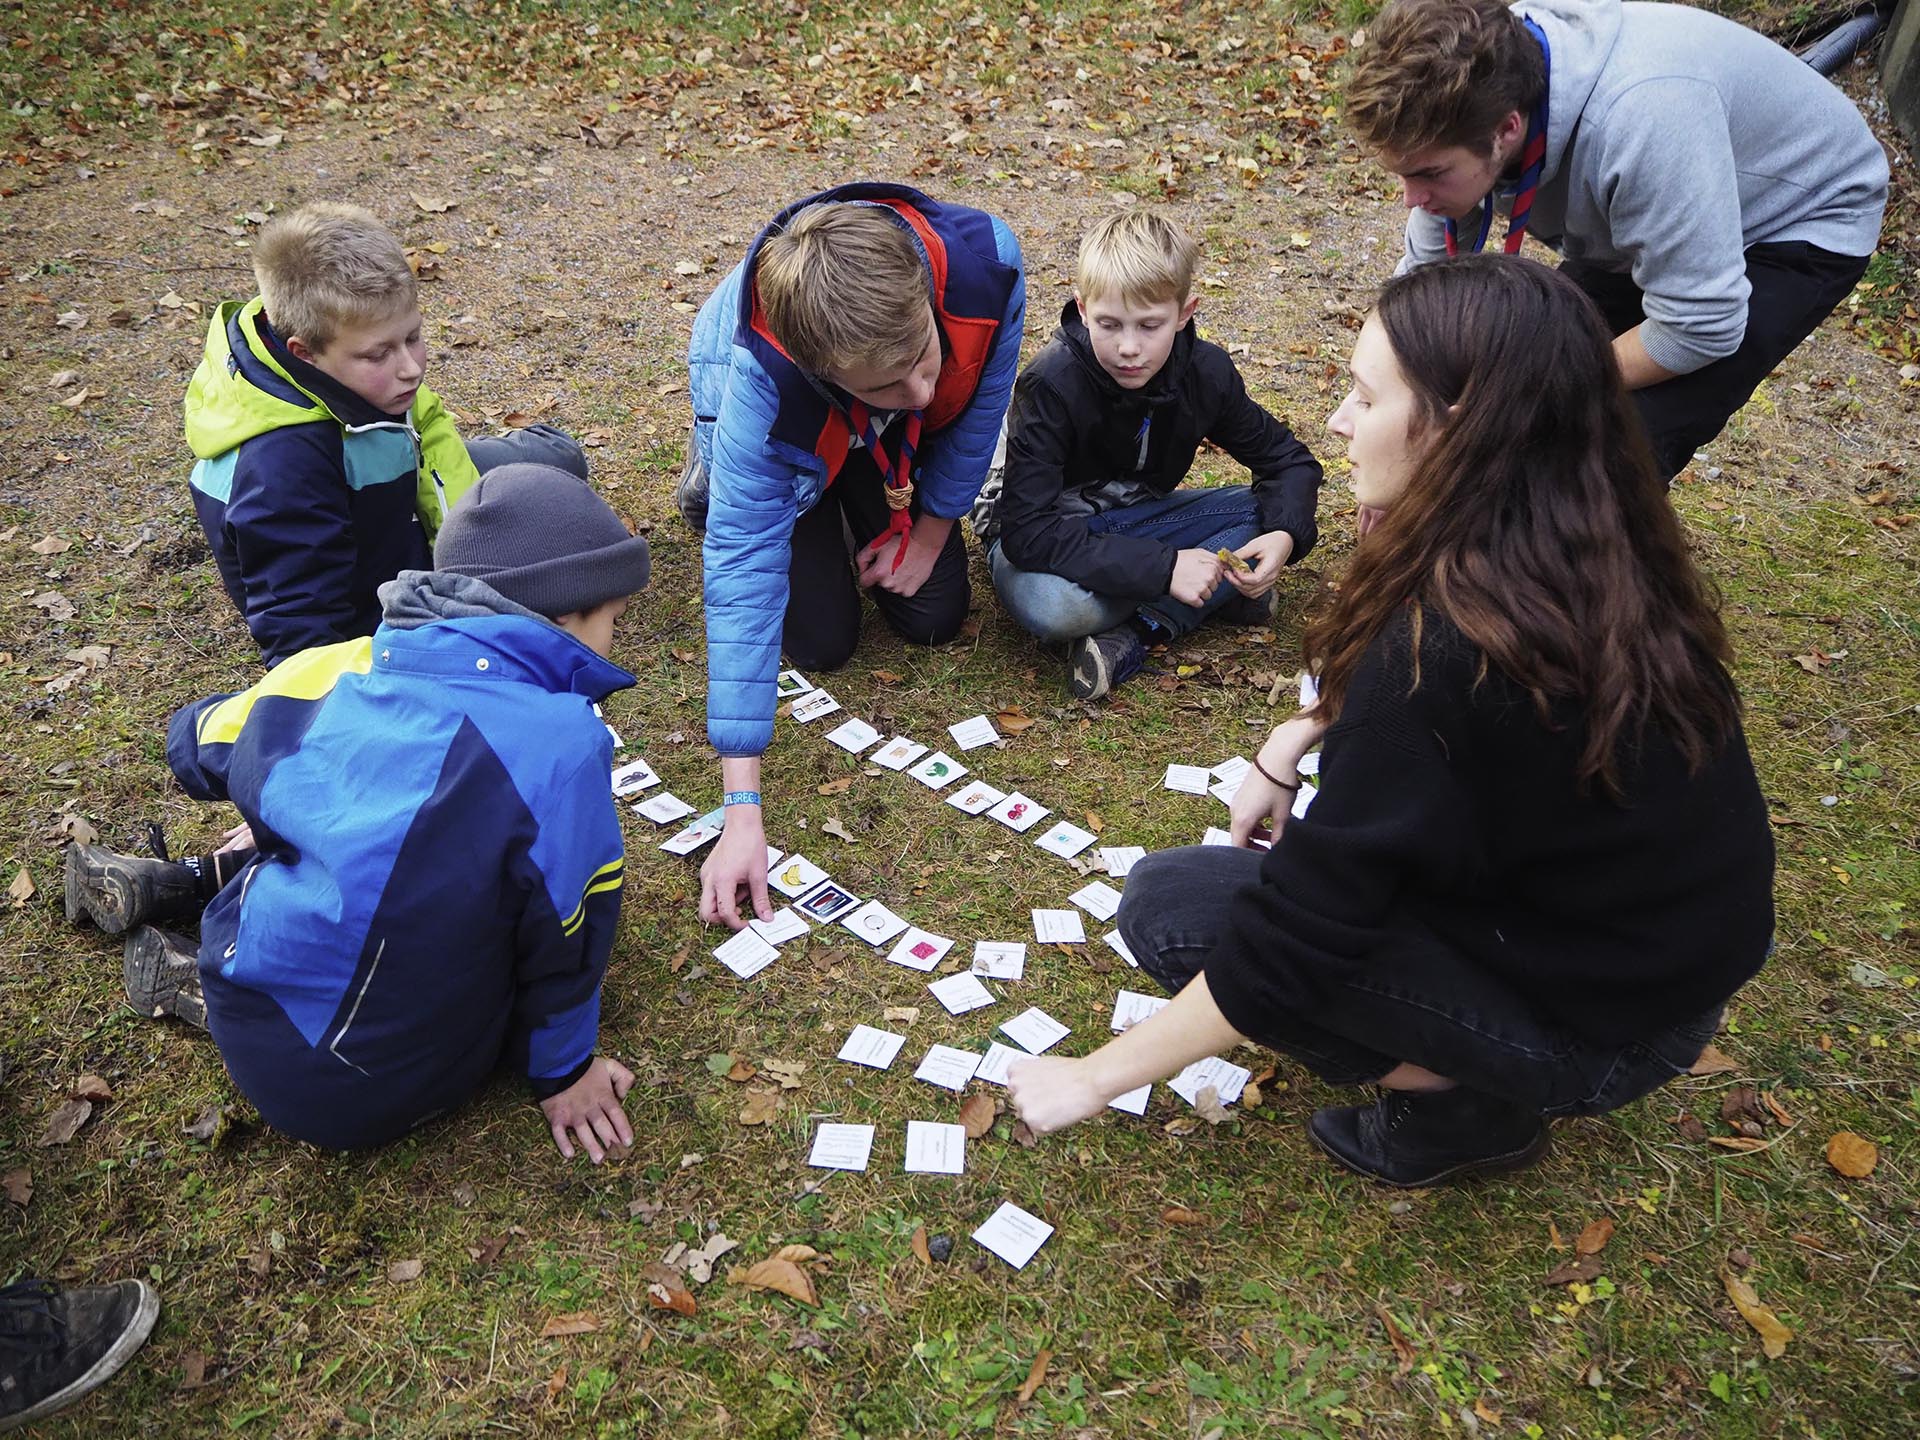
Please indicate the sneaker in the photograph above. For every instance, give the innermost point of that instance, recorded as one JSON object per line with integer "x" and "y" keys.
{"x": 162, "y": 974}
{"x": 1414, "y": 1140}
{"x": 690, "y": 496}
{"x": 59, "y": 1343}
{"x": 1250, "y": 609}
{"x": 1097, "y": 663}
{"x": 119, "y": 891}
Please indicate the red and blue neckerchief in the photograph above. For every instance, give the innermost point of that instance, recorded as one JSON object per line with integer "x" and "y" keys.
{"x": 895, "y": 474}
{"x": 1533, "y": 159}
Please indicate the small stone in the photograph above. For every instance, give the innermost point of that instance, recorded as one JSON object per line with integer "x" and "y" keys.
{"x": 940, "y": 1247}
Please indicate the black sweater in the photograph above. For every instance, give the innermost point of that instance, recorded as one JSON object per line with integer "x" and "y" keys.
{"x": 1073, "y": 450}
{"x": 1448, "y": 820}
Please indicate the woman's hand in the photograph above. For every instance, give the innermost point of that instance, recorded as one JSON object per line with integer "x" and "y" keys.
{"x": 1052, "y": 1093}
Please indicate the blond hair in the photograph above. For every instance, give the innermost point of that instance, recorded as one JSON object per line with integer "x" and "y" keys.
{"x": 1442, "y": 72}
{"x": 328, "y": 265}
{"x": 1141, "y": 253}
{"x": 844, "y": 287}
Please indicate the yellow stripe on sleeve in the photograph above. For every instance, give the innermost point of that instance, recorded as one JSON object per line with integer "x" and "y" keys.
{"x": 309, "y": 675}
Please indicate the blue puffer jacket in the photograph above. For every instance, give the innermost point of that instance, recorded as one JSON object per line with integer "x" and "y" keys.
{"x": 439, "y": 873}
{"x": 760, "y": 425}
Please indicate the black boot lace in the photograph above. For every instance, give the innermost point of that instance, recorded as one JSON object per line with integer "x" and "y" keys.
{"x": 28, "y": 1325}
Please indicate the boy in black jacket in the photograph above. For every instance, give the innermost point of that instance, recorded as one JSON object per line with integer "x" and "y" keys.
{"x": 1097, "y": 547}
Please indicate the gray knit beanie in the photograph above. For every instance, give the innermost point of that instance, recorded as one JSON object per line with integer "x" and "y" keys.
{"x": 543, "y": 539}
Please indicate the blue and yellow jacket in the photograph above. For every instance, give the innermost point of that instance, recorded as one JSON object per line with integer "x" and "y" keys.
{"x": 439, "y": 870}
{"x": 311, "y": 498}
{"x": 772, "y": 437}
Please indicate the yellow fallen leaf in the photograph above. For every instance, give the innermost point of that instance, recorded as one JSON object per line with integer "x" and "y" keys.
{"x": 1854, "y": 1156}
{"x": 782, "y": 1276}
{"x": 1594, "y": 1238}
{"x": 1035, "y": 1375}
{"x": 1773, "y": 1335}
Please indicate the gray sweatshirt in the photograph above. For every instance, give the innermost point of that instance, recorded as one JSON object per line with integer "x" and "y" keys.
{"x": 1675, "y": 140}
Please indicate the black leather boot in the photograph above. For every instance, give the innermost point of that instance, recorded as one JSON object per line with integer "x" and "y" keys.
{"x": 120, "y": 891}
{"x": 1413, "y": 1140}
{"x": 162, "y": 973}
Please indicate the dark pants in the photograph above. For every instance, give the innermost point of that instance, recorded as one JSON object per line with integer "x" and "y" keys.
{"x": 1795, "y": 287}
{"x": 823, "y": 601}
{"x": 1443, "y": 1012}
{"x": 535, "y": 445}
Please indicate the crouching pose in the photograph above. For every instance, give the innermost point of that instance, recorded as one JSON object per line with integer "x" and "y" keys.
{"x": 434, "y": 882}
{"x": 1539, "y": 863}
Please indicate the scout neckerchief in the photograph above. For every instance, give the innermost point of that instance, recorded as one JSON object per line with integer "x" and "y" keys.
{"x": 1533, "y": 159}
{"x": 896, "y": 475}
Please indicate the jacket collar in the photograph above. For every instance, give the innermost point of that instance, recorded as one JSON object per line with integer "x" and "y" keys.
{"x": 507, "y": 645}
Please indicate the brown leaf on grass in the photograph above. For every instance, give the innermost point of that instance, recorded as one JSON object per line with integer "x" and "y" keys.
{"x": 787, "y": 1072}
{"x": 1853, "y": 1156}
{"x": 798, "y": 1254}
{"x": 1024, "y": 1137}
{"x": 1741, "y": 1102}
{"x": 920, "y": 1245}
{"x": 1737, "y": 1142}
{"x": 833, "y": 827}
{"x": 50, "y": 545}
{"x": 901, "y": 1014}
{"x": 574, "y": 1322}
{"x": 1690, "y": 1127}
{"x": 92, "y": 1087}
{"x": 1593, "y": 1239}
{"x": 1776, "y": 1109}
{"x": 433, "y": 204}
{"x": 17, "y": 1184}
{"x": 781, "y": 1276}
{"x": 78, "y": 829}
{"x": 669, "y": 1292}
{"x": 65, "y": 1122}
{"x": 1713, "y": 1061}
{"x": 1181, "y": 1125}
{"x": 193, "y": 1370}
{"x": 1402, "y": 1346}
{"x": 1181, "y": 1215}
{"x": 22, "y": 889}
{"x": 1553, "y": 1236}
{"x": 556, "y": 1382}
{"x": 1036, "y": 1375}
{"x": 741, "y": 1072}
{"x": 61, "y": 379}
{"x": 1773, "y": 1335}
{"x": 1013, "y": 720}
{"x": 54, "y": 605}
{"x": 488, "y": 1250}
{"x": 405, "y": 1272}
{"x": 1096, "y": 822}
{"x": 888, "y": 677}
{"x": 761, "y": 1106}
{"x": 208, "y": 1126}
{"x": 1580, "y": 1268}
{"x": 1489, "y": 1413}
{"x": 977, "y": 1113}
{"x": 685, "y": 657}
{"x": 834, "y": 787}
{"x": 1208, "y": 1107}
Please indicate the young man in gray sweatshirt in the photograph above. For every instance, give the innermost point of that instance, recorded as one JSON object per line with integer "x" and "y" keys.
{"x": 1714, "y": 195}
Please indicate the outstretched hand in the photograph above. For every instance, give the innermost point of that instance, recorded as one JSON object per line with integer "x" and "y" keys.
{"x": 1050, "y": 1093}
{"x": 590, "y": 1109}
{"x": 736, "y": 869}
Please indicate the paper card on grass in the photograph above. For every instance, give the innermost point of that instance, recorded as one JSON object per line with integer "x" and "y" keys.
{"x": 972, "y": 734}
{"x": 794, "y": 876}
{"x": 870, "y": 1047}
{"x": 874, "y": 923}
{"x": 1304, "y": 800}
{"x": 853, "y": 736}
{"x": 774, "y": 852}
{"x": 1131, "y": 1007}
{"x": 975, "y": 796}
{"x": 1216, "y": 836}
{"x": 842, "y": 1147}
{"x": 897, "y": 753}
{"x": 993, "y": 1066}
{"x": 1134, "y": 1102}
{"x": 947, "y": 1067}
{"x": 1120, "y": 859}
{"x": 703, "y": 831}
{"x": 936, "y": 1148}
{"x": 1188, "y": 779}
{"x": 785, "y": 925}
{"x": 961, "y": 993}
{"x": 826, "y": 902}
{"x": 1310, "y": 763}
{"x": 1065, "y": 840}
{"x": 664, "y": 808}
{"x": 809, "y": 708}
{"x": 1018, "y": 812}
{"x": 1000, "y": 959}
{"x": 633, "y": 777}
{"x": 1227, "y": 1079}
{"x": 1309, "y": 690}
{"x": 1059, "y": 927}
{"x": 1224, "y": 790}
{"x": 612, "y": 734}
{"x": 919, "y": 949}
{"x": 1234, "y": 769}
{"x": 938, "y": 770}
{"x": 746, "y": 954}
{"x": 1098, "y": 899}
{"x": 1035, "y": 1031}
{"x": 1013, "y": 1234}
{"x": 790, "y": 683}
{"x": 1120, "y": 948}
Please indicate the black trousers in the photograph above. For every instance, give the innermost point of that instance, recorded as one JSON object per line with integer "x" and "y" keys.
{"x": 822, "y": 625}
{"x": 1795, "y": 287}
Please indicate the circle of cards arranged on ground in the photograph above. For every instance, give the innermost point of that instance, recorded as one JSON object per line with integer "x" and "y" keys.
{"x": 938, "y": 1148}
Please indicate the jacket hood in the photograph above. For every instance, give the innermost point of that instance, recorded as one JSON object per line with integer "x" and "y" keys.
{"x": 1580, "y": 38}
{"x": 1164, "y": 385}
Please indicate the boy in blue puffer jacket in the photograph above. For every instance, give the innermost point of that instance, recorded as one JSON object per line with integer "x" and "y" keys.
{"x": 325, "y": 466}
{"x": 436, "y": 882}
{"x": 848, "y": 377}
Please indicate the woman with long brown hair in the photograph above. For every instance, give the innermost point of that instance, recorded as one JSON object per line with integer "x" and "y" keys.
{"x": 1539, "y": 863}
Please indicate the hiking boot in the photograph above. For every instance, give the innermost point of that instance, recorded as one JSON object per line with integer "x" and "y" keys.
{"x": 57, "y": 1343}
{"x": 691, "y": 494}
{"x": 119, "y": 891}
{"x": 1414, "y": 1140}
{"x": 1250, "y": 609}
{"x": 162, "y": 973}
{"x": 1097, "y": 663}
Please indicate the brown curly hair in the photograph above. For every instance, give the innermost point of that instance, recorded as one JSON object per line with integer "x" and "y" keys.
{"x": 1442, "y": 72}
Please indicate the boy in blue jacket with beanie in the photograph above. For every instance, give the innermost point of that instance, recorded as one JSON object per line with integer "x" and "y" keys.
{"x": 436, "y": 879}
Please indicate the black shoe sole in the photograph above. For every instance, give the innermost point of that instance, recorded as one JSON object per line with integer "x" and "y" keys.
{"x": 1088, "y": 677}
{"x": 97, "y": 892}
{"x": 1526, "y": 1156}
{"x": 161, "y": 978}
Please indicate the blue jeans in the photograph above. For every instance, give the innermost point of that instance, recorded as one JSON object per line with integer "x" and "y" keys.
{"x": 1444, "y": 1013}
{"x": 1055, "y": 609}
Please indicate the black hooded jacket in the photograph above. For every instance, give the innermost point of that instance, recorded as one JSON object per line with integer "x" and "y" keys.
{"x": 1079, "y": 444}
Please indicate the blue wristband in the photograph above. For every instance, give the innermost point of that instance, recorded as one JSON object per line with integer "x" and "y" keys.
{"x": 741, "y": 797}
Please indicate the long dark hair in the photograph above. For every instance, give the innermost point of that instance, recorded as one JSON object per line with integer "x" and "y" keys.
{"x": 1534, "y": 519}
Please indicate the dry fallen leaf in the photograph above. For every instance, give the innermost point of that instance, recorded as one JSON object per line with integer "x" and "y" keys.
{"x": 65, "y": 1122}
{"x": 17, "y": 1184}
{"x": 761, "y": 1106}
{"x": 1854, "y": 1156}
{"x": 405, "y": 1272}
{"x": 833, "y": 827}
{"x": 919, "y": 1244}
{"x": 1402, "y": 1346}
{"x": 977, "y": 1113}
{"x": 92, "y": 1087}
{"x": 193, "y": 1370}
{"x": 1035, "y": 1375}
{"x": 778, "y": 1275}
{"x": 888, "y": 677}
{"x": 1713, "y": 1061}
{"x": 1013, "y": 720}
{"x": 556, "y": 1382}
{"x": 1181, "y": 1215}
{"x": 741, "y": 1072}
{"x": 433, "y": 204}
{"x": 61, "y": 379}
{"x": 1773, "y": 1335}
{"x": 22, "y": 888}
{"x": 1208, "y": 1107}
{"x": 787, "y": 1072}
{"x": 1593, "y": 1239}
{"x": 901, "y": 1014}
{"x": 1580, "y": 1268}
{"x": 834, "y": 787}
{"x": 50, "y": 545}
{"x": 574, "y": 1322}
{"x": 671, "y": 1295}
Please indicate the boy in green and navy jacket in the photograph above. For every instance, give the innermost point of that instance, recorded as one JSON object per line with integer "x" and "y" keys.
{"x": 325, "y": 466}
{"x": 436, "y": 879}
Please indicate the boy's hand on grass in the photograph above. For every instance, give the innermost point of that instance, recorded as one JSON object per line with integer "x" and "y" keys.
{"x": 1195, "y": 575}
{"x": 590, "y": 1109}
{"x": 738, "y": 864}
{"x": 1268, "y": 555}
{"x": 1051, "y": 1093}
